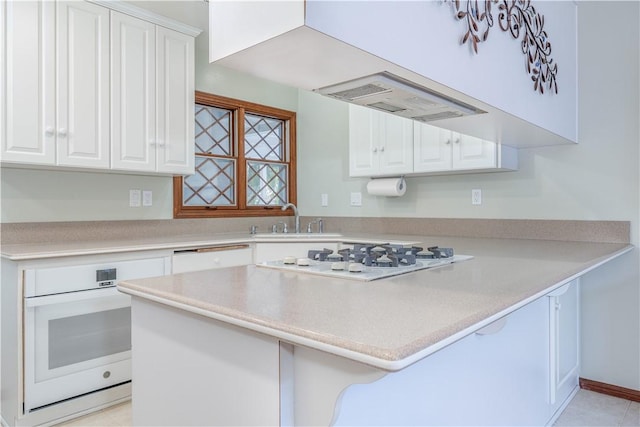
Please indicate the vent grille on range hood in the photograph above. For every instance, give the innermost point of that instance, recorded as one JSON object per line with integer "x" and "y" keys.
{"x": 390, "y": 93}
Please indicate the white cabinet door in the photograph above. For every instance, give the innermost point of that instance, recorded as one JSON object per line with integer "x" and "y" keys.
{"x": 27, "y": 84}
{"x": 133, "y": 93}
{"x": 433, "y": 148}
{"x": 82, "y": 41}
{"x": 176, "y": 100}
{"x": 564, "y": 317}
{"x": 441, "y": 150}
{"x": 363, "y": 155}
{"x": 379, "y": 143}
{"x": 152, "y": 119}
{"x": 57, "y": 80}
{"x": 470, "y": 152}
{"x": 395, "y": 146}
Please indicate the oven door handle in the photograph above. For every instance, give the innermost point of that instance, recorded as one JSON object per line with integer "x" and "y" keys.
{"x": 73, "y": 297}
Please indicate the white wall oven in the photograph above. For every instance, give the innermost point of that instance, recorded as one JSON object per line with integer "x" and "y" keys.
{"x": 77, "y": 329}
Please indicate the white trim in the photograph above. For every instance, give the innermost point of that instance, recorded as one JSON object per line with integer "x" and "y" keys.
{"x": 138, "y": 12}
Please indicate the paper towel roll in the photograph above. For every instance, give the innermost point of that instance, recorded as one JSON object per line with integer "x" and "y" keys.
{"x": 393, "y": 187}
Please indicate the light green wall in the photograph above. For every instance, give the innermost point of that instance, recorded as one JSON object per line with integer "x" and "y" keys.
{"x": 42, "y": 195}
{"x": 29, "y": 195}
{"x": 597, "y": 179}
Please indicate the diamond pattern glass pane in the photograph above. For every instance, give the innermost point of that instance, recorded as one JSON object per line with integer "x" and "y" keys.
{"x": 263, "y": 138}
{"x": 266, "y": 184}
{"x": 213, "y": 130}
{"x": 212, "y": 184}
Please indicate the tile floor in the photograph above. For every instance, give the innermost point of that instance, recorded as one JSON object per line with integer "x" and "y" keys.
{"x": 587, "y": 409}
{"x": 114, "y": 416}
{"x": 590, "y": 409}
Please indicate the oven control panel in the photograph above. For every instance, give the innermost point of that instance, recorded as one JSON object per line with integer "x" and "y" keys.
{"x": 106, "y": 277}
{"x": 80, "y": 277}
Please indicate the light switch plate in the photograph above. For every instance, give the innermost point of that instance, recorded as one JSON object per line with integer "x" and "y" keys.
{"x": 356, "y": 199}
{"x": 147, "y": 198}
{"x": 134, "y": 198}
{"x": 324, "y": 199}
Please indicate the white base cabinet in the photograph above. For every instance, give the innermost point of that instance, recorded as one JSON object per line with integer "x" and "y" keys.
{"x": 212, "y": 257}
{"x": 564, "y": 334}
{"x": 497, "y": 376}
{"x": 504, "y": 374}
{"x": 189, "y": 370}
{"x": 28, "y": 377}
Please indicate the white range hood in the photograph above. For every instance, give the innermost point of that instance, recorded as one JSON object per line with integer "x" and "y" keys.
{"x": 392, "y": 94}
{"x": 404, "y": 58}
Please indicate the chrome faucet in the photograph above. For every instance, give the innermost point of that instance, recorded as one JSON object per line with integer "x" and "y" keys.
{"x": 295, "y": 212}
{"x": 320, "y": 226}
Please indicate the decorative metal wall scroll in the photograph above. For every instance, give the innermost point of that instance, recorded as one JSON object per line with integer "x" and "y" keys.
{"x": 513, "y": 16}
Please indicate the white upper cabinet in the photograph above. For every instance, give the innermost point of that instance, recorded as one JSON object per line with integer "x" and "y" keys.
{"x": 133, "y": 93}
{"x": 176, "y": 102}
{"x": 82, "y": 65}
{"x": 441, "y": 150}
{"x": 433, "y": 148}
{"x": 379, "y": 144}
{"x": 86, "y": 87}
{"x": 410, "y": 39}
{"x": 151, "y": 97}
{"x": 57, "y": 80}
{"x": 27, "y": 126}
{"x": 470, "y": 152}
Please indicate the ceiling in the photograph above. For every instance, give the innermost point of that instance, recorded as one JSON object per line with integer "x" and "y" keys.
{"x": 192, "y": 12}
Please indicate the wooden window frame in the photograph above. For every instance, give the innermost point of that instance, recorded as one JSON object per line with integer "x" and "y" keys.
{"x": 239, "y": 108}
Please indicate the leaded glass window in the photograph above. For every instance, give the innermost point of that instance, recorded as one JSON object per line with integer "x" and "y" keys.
{"x": 244, "y": 160}
{"x": 213, "y": 184}
{"x": 213, "y": 130}
{"x": 263, "y": 138}
{"x": 266, "y": 184}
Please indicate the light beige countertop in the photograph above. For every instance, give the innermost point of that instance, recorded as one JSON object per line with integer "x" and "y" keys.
{"x": 41, "y": 250}
{"x": 388, "y": 323}
{"x": 26, "y": 251}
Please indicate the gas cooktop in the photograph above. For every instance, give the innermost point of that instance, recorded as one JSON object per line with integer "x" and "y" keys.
{"x": 367, "y": 262}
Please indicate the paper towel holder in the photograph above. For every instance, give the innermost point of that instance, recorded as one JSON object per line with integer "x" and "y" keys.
{"x": 403, "y": 182}
{"x": 387, "y": 186}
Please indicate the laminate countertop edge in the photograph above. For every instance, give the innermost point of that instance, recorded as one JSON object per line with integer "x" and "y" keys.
{"x": 483, "y": 307}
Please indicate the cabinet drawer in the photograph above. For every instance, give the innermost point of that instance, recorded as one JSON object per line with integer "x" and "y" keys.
{"x": 53, "y": 280}
{"x": 214, "y": 257}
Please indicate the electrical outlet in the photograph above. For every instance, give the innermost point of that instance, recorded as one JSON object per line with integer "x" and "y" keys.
{"x": 476, "y": 196}
{"x": 135, "y": 197}
{"x": 324, "y": 199}
{"x": 356, "y": 199}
